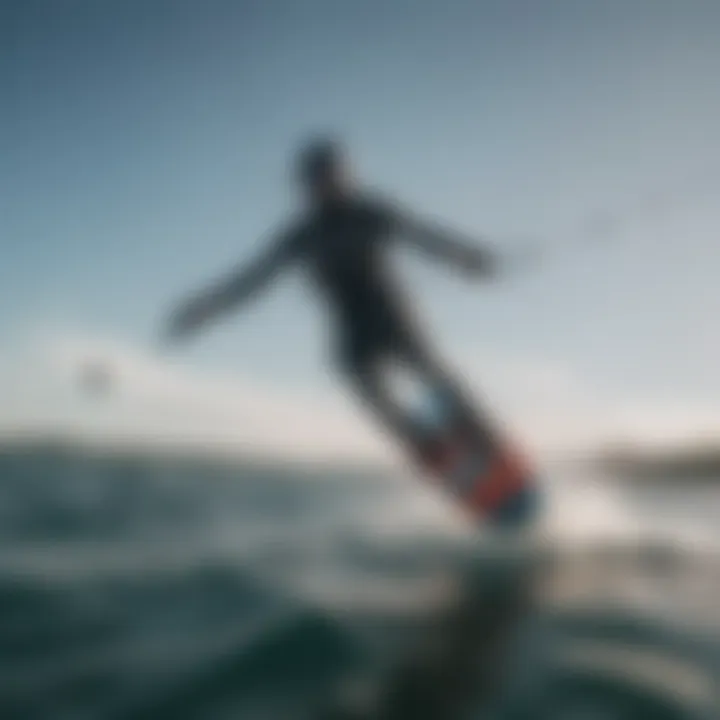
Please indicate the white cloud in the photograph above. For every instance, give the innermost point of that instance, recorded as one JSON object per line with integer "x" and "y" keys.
{"x": 156, "y": 398}
{"x": 546, "y": 404}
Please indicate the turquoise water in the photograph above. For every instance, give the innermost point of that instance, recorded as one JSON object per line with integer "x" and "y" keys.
{"x": 152, "y": 587}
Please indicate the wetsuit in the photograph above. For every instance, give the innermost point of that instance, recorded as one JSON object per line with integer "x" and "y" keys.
{"x": 343, "y": 248}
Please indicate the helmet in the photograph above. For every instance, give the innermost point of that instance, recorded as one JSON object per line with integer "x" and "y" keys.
{"x": 318, "y": 159}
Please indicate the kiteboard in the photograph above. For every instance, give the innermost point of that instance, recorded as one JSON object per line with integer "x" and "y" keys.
{"x": 492, "y": 480}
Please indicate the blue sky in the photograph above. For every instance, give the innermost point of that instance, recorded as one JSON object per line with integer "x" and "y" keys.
{"x": 145, "y": 145}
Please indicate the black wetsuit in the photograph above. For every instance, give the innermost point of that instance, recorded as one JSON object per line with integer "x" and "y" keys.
{"x": 343, "y": 247}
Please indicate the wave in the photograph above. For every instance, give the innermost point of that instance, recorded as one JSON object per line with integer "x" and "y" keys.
{"x": 153, "y": 587}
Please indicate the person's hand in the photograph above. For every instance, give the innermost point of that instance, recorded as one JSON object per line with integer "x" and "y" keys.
{"x": 188, "y": 318}
{"x": 503, "y": 262}
{"x": 480, "y": 264}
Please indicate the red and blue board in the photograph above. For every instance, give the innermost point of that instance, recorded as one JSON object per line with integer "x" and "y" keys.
{"x": 498, "y": 486}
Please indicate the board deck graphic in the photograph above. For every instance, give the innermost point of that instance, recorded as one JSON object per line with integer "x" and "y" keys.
{"x": 498, "y": 486}
{"x": 463, "y": 452}
{"x": 491, "y": 480}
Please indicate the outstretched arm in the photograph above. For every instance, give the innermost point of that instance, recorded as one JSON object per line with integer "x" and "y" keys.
{"x": 232, "y": 291}
{"x": 450, "y": 246}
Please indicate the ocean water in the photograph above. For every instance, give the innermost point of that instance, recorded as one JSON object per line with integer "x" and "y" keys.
{"x": 152, "y": 586}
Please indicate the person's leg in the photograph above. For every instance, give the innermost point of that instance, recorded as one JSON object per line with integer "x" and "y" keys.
{"x": 365, "y": 371}
{"x": 369, "y": 384}
{"x": 417, "y": 355}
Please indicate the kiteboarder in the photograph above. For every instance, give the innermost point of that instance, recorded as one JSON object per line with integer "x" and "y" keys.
{"x": 341, "y": 239}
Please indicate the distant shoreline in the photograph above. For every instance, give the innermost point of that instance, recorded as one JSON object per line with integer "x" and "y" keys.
{"x": 690, "y": 462}
{"x": 175, "y": 449}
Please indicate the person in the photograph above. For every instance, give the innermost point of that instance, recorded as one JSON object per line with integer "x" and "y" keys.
{"x": 341, "y": 239}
